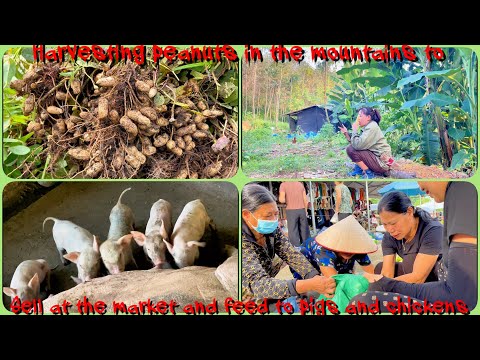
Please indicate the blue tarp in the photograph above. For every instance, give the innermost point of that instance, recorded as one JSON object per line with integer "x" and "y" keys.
{"x": 407, "y": 187}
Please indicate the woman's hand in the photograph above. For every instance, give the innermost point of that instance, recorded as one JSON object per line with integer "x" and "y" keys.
{"x": 343, "y": 129}
{"x": 324, "y": 285}
{"x": 355, "y": 125}
{"x": 372, "y": 277}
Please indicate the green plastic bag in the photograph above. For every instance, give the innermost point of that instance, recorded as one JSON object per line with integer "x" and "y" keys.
{"x": 348, "y": 286}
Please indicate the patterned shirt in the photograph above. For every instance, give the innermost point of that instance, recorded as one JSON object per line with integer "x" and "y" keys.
{"x": 259, "y": 267}
{"x": 319, "y": 256}
{"x": 345, "y": 200}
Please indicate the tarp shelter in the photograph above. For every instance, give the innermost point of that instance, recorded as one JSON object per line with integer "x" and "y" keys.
{"x": 431, "y": 206}
{"x": 309, "y": 119}
{"x": 409, "y": 188}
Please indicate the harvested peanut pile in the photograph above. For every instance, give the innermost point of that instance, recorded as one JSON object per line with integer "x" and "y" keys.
{"x": 131, "y": 121}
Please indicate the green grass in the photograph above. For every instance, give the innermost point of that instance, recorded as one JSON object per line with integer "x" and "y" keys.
{"x": 266, "y": 155}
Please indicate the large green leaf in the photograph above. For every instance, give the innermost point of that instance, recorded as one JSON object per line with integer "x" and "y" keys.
{"x": 27, "y": 53}
{"x": 459, "y": 159}
{"x": 384, "y": 91}
{"x": 348, "y": 107}
{"x": 456, "y": 134}
{"x": 380, "y": 81}
{"x": 390, "y": 128}
{"x": 429, "y": 74}
{"x": 9, "y": 70}
{"x": 430, "y": 143}
{"x": 437, "y": 99}
{"x": 12, "y": 141}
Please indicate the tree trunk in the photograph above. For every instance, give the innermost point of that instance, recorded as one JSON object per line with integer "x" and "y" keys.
{"x": 266, "y": 101}
{"x": 278, "y": 98}
{"x": 245, "y": 87}
{"x": 325, "y": 81}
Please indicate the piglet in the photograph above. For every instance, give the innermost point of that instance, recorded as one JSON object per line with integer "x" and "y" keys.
{"x": 159, "y": 228}
{"x": 69, "y": 237}
{"x": 116, "y": 252}
{"x": 27, "y": 278}
{"x": 188, "y": 230}
{"x": 88, "y": 262}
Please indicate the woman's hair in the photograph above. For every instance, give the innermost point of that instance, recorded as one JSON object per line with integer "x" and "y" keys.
{"x": 373, "y": 113}
{"x": 398, "y": 202}
{"x": 254, "y": 196}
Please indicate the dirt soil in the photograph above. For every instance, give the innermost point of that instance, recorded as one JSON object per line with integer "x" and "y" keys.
{"x": 405, "y": 169}
{"x": 88, "y": 204}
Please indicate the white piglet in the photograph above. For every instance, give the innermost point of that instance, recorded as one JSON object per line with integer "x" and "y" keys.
{"x": 81, "y": 247}
{"x": 188, "y": 230}
{"x": 27, "y": 278}
{"x": 159, "y": 228}
{"x": 116, "y": 252}
{"x": 69, "y": 237}
{"x": 88, "y": 262}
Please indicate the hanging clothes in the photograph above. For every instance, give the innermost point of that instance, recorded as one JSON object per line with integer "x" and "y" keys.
{"x": 362, "y": 194}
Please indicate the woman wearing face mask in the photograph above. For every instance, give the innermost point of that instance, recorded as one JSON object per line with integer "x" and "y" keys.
{"x": 411, "y": 234}
{"x": 368, "y": 150}
{"x": 261, "y": 241}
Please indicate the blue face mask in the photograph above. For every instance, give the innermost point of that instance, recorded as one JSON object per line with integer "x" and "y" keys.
{"x": 265, "y": 226}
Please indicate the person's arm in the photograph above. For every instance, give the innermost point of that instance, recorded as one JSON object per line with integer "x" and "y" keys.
{"x": 325, "y": 260}
{"x": 305, "y": 200}
{"x": 262, "y": 284}
{"x": 321, "y": 284}
{"x": 365, "y": 262}
{"x": 369, "y": 268}
{"x": 388, "y": 266}
{"x": 282, "y": 197}
{"x": 365, "y": 140}
{"x": 295, "y": 259}
{"x": 338, "y": 198}
{"x": 422, "y": 267}
{"x": 328, "y": 271}
{"x": 464, "y": 238}
{"x": 344, "y": 131}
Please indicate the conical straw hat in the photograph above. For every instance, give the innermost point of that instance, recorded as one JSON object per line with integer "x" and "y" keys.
{"x": 347, "y": 236}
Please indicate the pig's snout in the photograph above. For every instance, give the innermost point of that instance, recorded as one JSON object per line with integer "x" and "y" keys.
{"x": 115, "y": 271}
{"x": 87, "y": 278}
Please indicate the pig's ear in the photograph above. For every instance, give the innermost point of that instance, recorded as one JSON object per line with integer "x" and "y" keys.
{"x": 34, "y": 282}
{"x": 169, "y": 246}
{"x": 138, "y": 237}
{"x": 163, "y": 231}
{"x": 96, "y": 244}
{"x": 125, "y": 240}
{"x": 73, "y": 256}
{"x": 197, "y": 243}
{"x": 10, "y": 291}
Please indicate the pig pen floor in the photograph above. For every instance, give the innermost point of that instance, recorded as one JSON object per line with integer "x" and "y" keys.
{"x": 88, "y": 204}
